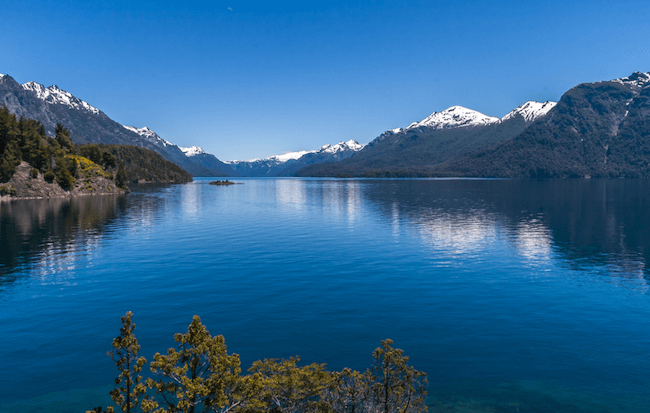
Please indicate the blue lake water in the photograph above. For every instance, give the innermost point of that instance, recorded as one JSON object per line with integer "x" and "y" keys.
{"x": 513, "y": 295}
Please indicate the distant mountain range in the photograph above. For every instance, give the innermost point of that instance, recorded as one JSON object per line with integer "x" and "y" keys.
{"x": 87, "y": 124}
{"x": 416, "y": 149}
{"x": 288, "y": 163}
{"x": 599, "y": 129}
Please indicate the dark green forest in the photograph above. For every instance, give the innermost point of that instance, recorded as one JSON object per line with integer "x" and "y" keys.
{"x": 200, "y": 376}
{"x": 60, "y": 161}
{"x": 25, "y": 140}
{"x": 140, "y": 164}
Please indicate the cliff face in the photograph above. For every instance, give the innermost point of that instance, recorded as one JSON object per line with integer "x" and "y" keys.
{"x": 23, "y": 185}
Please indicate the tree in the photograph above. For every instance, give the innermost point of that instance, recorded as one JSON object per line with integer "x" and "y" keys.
{"x": 125, "y": 355}
{"x": 397, "y": 387}
{"x": 109, "y": 160}
{"x": 199, "y": 376}
{"x": 92, "y": 152}
{"x": 350, "y": 392}
{"x": 120, "y": 176}
{"x": 292, "y": 389}
{"x": 63, "y": 138}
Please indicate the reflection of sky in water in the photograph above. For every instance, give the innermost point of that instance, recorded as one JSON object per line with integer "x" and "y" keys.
{"x": 533, "y": 240}
{"x": 476, "y": 280}
{"x": 456, "y": 234}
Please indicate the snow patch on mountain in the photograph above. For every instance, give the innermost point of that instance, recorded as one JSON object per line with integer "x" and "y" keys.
{"x": 350, "y": 145}
{"x": 454, "y": 117}
{"x": 193, "y": 151}
{"x": 55, "y": 95}
{"x": 275, "y": 159}
{"x": 636, "y": 79}
{"x": 530, "y": 110}
{"x": 149, "y": 135}
{"x": 289, "y": 155}
{"x": 342, "y": 146}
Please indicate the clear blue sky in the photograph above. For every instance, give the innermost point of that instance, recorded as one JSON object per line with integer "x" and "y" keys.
{"x": 249, "y": 79}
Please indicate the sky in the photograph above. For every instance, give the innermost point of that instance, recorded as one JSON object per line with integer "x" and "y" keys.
{"x": 246, "y": 79}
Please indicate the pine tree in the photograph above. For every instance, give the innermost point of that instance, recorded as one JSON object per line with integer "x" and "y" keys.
{"x": 63, "y": 138}
{"x": 292, "y": 389}
{"x": 398, "y": 387}
{"x": 199, "y": 375}
{"x": 125, "y": 355}
{"x": 120, "y": 176}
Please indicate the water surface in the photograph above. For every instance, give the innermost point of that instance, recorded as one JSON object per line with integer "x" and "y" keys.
{"x": 513, "y": 295}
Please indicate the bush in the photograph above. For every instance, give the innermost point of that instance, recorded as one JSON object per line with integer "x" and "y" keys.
{"x": 65, "y": 179}
{"x": 7, "y": 190}
{"x": 33, "y": 173}
{"x": 49, "y": 176}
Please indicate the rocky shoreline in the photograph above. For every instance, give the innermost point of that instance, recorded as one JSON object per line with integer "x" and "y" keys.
{"x": 25, "y": 186}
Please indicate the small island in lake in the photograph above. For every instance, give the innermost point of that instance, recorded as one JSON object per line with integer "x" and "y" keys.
{"x": 226, "y": 182}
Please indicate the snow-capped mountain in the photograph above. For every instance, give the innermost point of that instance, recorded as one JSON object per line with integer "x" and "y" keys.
{"x": 454, "y": 117}
{"x": 87, "y": 124}
{"x": 636, "y": 80}
{"x": 192, "y": 151}
{"x": 55, "y": 95}
{"x": 278, "y": 159}
{"x": 208, "y": 161}
{"x": 151, "y": 136}
{"x": 530, "y": 111}
{"x": 440, "y": 136}
{"x": 457, "y": 117}
{"x": 350, "y": 145}
{"x": 287, "y": 163}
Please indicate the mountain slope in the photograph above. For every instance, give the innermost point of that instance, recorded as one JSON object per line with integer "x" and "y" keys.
{"x": 420, "y": 147}
{"x": 86, "y": 123}
{"x": 597, "y": 129}
{"x": 208, "y": 161}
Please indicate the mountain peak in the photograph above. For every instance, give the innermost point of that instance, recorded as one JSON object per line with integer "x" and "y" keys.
{"x": 638, "y": 79}
{"x": 350, "y": 145}
{"x": 530, "y": 110}
{"x": 193, "y": 151}
{"x": 150, "y": 135}
{"x": 454, "y": 117}
{"x": 55, "y": 95}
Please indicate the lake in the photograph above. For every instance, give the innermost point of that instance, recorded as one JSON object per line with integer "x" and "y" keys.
{"x": 513, "y": 295}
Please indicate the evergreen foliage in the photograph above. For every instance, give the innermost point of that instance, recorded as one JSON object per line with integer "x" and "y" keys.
{"x": 398, "y": 387}
{"x": 141, "y": 165}
{"x": 292, "y": 389}
{"x": 199, "y": 376}
{"x": 125, "y": 355}
{"x": 60, "y": 161}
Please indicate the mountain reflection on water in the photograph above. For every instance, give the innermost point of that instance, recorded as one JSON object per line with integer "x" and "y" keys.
{"x": 526, "y": 295}
{"x": 587, "y": 222}
{"x": 49, "y": 229}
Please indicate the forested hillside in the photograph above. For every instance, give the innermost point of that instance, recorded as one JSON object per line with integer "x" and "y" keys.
{"x": 33, "y": 164}
{"x": 140, "y": 165}
{"x": 597, "y": 129}
{"x": 419, "y": 150}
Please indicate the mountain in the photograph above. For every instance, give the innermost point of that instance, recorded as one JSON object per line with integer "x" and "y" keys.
{"x": 419, "y": 148}
{"x": 87, "y": 124}
{"x": 287, "y": 164}
{"x": 208, "y": 161}
{"x": 599, "y": 129}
